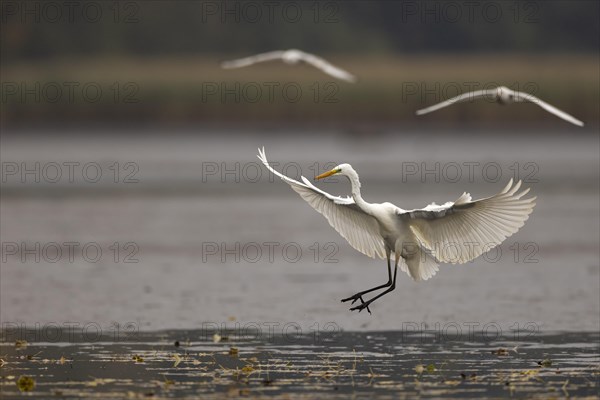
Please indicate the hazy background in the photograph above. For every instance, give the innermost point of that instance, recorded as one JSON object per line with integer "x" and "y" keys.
{"x": 134, "y": 90}
{"x": 158, "y": 62}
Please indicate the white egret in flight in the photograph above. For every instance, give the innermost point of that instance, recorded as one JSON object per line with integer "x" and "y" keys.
{"x": 418, "y": 240}
{"x": 503, "y": 95}
{"x": 292, "y": 57}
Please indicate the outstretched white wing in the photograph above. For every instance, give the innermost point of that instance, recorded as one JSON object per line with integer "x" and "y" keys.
{"x": 358, "y": 228}
{"x": 244, "y": 62}
{"x": 327, "y": 67}
{"x": 521, "y": 96}
{"x": 457, "y": 99}
{"x": 461, "y": 231}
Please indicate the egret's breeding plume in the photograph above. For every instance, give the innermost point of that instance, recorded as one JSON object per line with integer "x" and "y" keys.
{"x": 418, "y": 240}
{"x": 292, "y": 57}
{"x": 503, "y": 95}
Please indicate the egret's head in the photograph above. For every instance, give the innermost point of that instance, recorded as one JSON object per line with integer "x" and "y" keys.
{"x": 342, "y": 169}
{"x": 292, "y": 56}
{"x": 505, "y": 95}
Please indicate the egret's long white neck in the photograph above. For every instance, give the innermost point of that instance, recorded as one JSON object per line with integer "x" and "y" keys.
{"x": 355, "y": 183}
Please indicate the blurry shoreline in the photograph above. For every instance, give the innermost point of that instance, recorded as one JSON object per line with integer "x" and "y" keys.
{"x": 185, "y": 91}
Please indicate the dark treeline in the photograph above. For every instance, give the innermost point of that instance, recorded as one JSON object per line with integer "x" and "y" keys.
{"x": 46, "y": 29}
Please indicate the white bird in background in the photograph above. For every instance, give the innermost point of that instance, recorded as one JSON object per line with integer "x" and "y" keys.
{"x": 503, "y": 95}
{"x": 292, "y": 57}
{"x": 455, "y": 232}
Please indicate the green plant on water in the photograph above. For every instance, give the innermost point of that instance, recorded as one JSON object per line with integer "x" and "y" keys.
{"x": 545, "y": 363}
{"x": 25, "y": 383}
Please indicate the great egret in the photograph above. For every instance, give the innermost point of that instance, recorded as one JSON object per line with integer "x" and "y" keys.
{"x": 292, "y": 57}
{"x": 503, "y": 95}
{"x": 455, "y": 232}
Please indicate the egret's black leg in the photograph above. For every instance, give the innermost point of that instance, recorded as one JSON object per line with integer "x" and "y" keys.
{"x": 367, "y": 303}
{"x": 358, "y": 296}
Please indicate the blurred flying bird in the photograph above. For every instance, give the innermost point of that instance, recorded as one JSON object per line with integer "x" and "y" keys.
{"x": 455, "y": 232}
{"x": 503, "y": 95}
{"x": 292, "y": 57}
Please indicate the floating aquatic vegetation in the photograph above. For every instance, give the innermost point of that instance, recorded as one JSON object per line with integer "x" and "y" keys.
{"x": 500, "y": 352}
{"x": 355, "y": 365}
{"x": 452, "y": 382}
{"x": 471, "y": 376}
{"x": 530, "y": 372}
{"x": 100, "y": 381}
{"x": 168, "y": 383}
{"x": 248, "y": 369}
{"x": 25, "y": 383}
{"x": 177, "y": 360}
{"x": 564, "y": 388}
{"x": 545, "y": 363}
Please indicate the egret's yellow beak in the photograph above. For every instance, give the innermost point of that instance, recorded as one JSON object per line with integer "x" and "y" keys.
{"x": 326, "y": 174}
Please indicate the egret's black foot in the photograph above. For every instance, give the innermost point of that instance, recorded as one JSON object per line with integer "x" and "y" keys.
{"x": 362, "y": 306}
{"x": 354, "y": 298}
